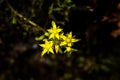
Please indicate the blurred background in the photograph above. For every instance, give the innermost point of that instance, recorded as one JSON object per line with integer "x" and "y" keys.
{"x": 95, "y": 22}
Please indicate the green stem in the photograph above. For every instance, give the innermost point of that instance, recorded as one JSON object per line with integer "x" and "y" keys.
{"x": 24, "y": 18}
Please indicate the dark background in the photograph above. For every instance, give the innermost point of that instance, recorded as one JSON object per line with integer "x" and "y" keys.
{"x": 95, "y": 22}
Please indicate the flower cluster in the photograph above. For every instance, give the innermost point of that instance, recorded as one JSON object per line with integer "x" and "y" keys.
{"x": 55, "y": 40}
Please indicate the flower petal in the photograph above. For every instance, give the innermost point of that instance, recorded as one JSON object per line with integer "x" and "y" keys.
{"x": 43, "y": 52}
{"x": 70, "y": 35}
{"x": 74, "y": 40}
{"x": 42, "y": 45}
{"x": 56, "y": 48}
{"x": 63, "y": 43}
{"x": 57, "y": 36}
{"x": 68, "y": 49}
{"x": 69, "y": 44}
{"x": 51, "y": 50}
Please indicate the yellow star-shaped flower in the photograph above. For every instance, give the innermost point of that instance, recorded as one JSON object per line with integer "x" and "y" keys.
{"x": 68, "y": 40}
{"x": 68, "y": 49}
{"x": 47, "y": 47}
{"x": 54, "y": 31}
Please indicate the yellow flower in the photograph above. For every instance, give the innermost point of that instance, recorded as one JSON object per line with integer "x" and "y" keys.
{"x": 62, "y": 36}
{"x": 68, "y": 49}
{"x": 68, "y": 40}
{"x": 47, "y": 47}
{"x": 54, "y": 31}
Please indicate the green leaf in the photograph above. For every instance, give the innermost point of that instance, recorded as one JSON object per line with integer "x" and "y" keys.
{"x": 60, "y": 50}
{"x": 46, "y": 34}
{"x": 69, "y": 54}
{"x": 105, "y": 68}
{"x": 14, "y": 20}
{"x": 39, "y": 38}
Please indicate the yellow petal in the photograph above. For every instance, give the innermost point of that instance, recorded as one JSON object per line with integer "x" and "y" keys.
{"x": 51, "y": 36}
{"x": 63, "y": 37}
{"x": 51, "y": 50}
{"x": 43, "y": 52}
{"x": 56, "y": 48}
{"x": 57, "y": 36}
{"x": 69, "y": 44}
{"x": 68, "y": 49}
{"x": 70, "y": 35}
{"x": 42, "y": 45}
{"x": 58, "y": 30}
{"x": 63, "y": 43}
{"x": 68, "y": 40}
{"x": 50, "y": 30}
{"x": 74, "y": 40}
